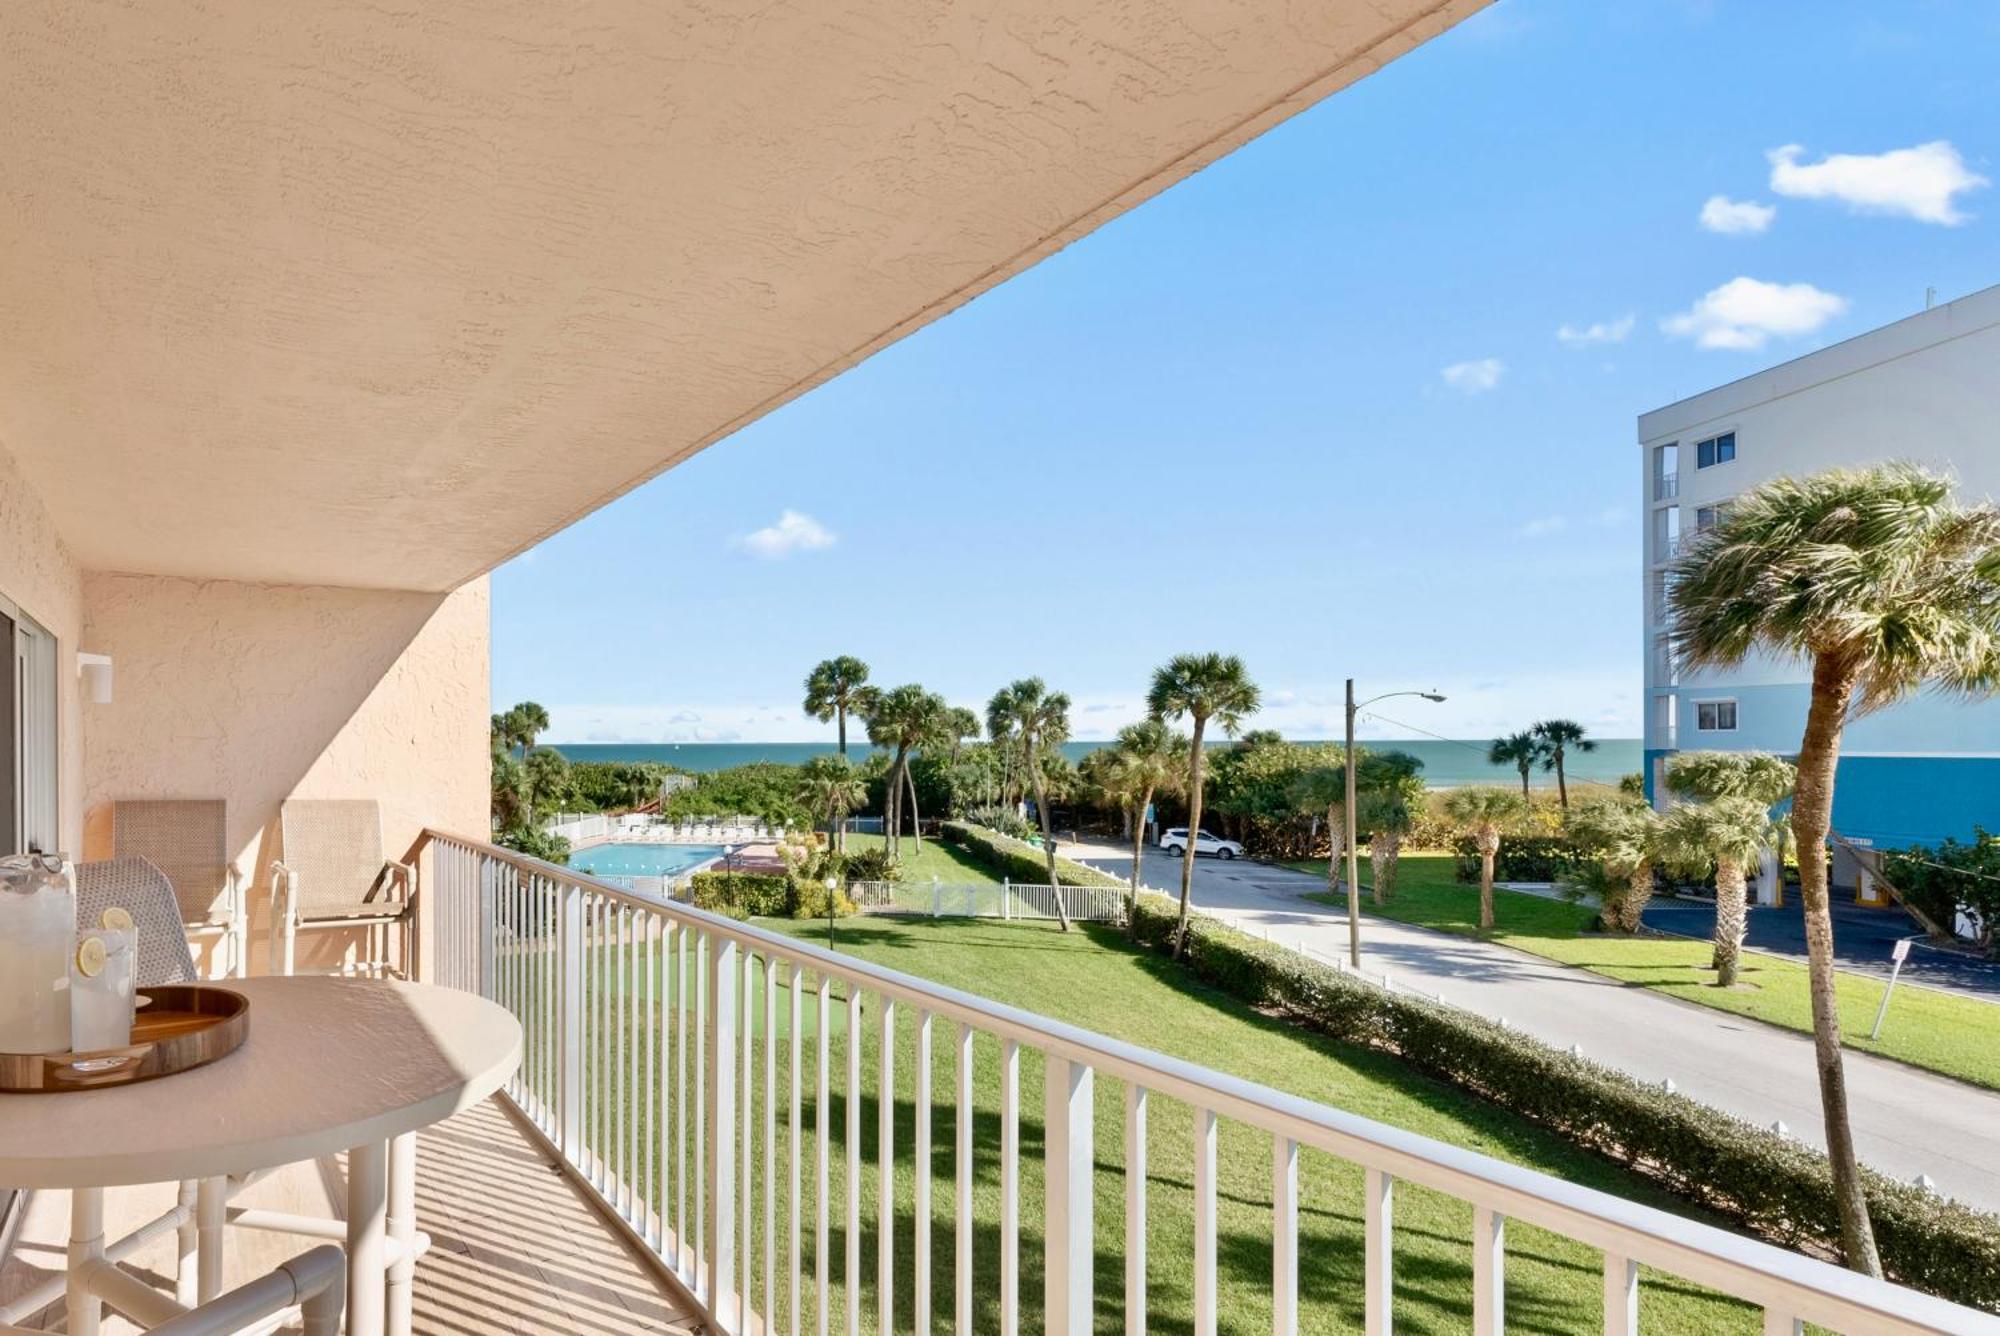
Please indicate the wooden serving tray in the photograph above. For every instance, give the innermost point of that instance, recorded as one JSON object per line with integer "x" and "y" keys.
{"x": 177, "y": 1027}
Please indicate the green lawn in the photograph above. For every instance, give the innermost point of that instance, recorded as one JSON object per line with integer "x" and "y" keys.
{"x": 947, "y": 862}
{"x": 1947, "y": 1033}
{"x": 1090, "y": 978}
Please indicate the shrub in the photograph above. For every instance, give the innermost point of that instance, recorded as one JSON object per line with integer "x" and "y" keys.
{"x": 1771, "y": 1185}
{"x": 1951, "y": 879}
{"x": 1017, "y": 860}
{"x": 1522, "y": 858}
{"x": 873, "y": 865}
{"x": 742, "y": 894}
{"x": 809, "y": 901}
{"x": 535, "y": 843}
{"x": 1005, "y": 820}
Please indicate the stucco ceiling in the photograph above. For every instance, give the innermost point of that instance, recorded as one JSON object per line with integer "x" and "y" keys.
{"x": 351, "y": 293}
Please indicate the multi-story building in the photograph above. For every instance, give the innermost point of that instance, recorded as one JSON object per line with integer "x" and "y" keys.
{"x": 1924, "y": 389}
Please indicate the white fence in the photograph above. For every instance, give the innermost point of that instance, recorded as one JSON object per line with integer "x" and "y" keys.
{"x": 1008, "y": 900}
{"x": 655, "y": 1035}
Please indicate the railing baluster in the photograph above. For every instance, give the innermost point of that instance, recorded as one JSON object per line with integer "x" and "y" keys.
{"x": 1204, "y": 1222}
{"x": 704, "y": 965}
{"x": 654, "y": 1221}
{"x": 1284, "y": 1236}
{"x": 745, "y": 1121}
{"x": 920, "y": 1251}
{"x": 628, "y": 976}
{"x": 1010, "y": 1188}
{"x": 570, "y": 1052}
{"x": 601, "y": 1063}
{"x": 770, "y": 1142}
{"x": 1378, "y": 1261}
{"x": 853, "y": 1160}
{"x": 798, "y": 1077}
{"x": 1621, "y": 1296}
{"x": 1135, "y": 1207}
{"x": 1069, "y": 1116}
{"x": 885, "y": 1177}
{"x": 1489, "y": 1272}
{"x": 962, "y": 1206}
{"x": 822, "y": 1281}
{"x": 721, "y": 1145}
{"x": 683, "y": 1257}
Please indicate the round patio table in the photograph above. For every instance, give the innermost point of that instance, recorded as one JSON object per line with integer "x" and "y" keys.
{"x": 329, "y": 1065}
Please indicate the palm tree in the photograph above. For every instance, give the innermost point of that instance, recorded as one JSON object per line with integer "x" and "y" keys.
{"x": 901, "y": 719}
{"x": 519, "y": 727}
{"x": 546, "y": 778}
{"x": 1201, "y": 687}
{"x": 1704, "y": 776}
{"x": 1557, "y": 736}
{"x": 1726, "y": 836}
{"x": 1324, "y": 789}
{"x": 830, "y": 786}
{"x": 836, "y": 688}
{"x": 1390, "y": 793}
{"x": 1148, "y": 759}
{"x": 1523, "y": 751}
{"x": 1884, "y": 585}
{"x": 1624, "y": 837}
{"x": 1485, "y": 812}
{"x": 1037, "y": 718}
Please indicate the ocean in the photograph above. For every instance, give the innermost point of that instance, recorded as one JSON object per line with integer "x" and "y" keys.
{"x": 1447, "y": 763}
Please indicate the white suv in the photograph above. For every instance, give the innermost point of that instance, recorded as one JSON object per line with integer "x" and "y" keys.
{"x": 1175, "y": 842}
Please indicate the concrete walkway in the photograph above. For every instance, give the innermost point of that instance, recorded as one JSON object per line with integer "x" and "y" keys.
{"x": 1907, "y": 1121}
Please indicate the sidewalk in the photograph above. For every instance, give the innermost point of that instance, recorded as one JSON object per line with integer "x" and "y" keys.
{"x": 1907, "y": 1122}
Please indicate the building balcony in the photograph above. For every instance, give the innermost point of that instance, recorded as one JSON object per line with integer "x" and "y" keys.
{"x": 696, "y": 1138}
{"x": 1666, "y": 487}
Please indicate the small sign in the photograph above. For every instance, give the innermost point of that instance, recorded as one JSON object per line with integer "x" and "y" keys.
{"x": 1902, "y": 951}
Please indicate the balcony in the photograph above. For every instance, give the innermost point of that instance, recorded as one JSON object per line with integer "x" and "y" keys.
{"x": 667, "y": 1069}
{"x": 1666, "y": 487}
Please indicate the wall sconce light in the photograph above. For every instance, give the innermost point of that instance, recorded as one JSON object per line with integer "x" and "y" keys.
{"x": 95, "y": 670}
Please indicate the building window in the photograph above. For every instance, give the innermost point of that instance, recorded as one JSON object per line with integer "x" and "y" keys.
{"x": 1707, "y": 517}
{"x": 1715, "y": 716}
{"x": 27, "y": 735}
{"x": 1715, "y": 450}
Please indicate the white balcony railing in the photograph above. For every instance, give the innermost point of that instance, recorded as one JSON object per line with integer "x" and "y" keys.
{"x": 643, "y": 1032}
{"x": 1666, "y": 486}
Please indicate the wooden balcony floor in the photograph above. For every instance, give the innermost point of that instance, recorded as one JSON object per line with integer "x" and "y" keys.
{"x": 514, "y": 1249}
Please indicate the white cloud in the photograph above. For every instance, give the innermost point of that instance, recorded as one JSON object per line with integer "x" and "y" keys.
{"x": 1745, "y": 313}
{"x": 1923, "y": 182}
{"x": 1736, "y": 217}
{"x": 1474, "y": 377}
{"x": 1543, "y": 526}
{"x": 1600, "y": 331}
{"x": 794, "y": 532}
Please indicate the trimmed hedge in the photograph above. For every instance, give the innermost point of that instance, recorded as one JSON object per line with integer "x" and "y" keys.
{"x": 1019, "y": 861}
{"x": 1521, "y": 858}
{"x": 742, "y": 894}
{"x": 746, "y": 895}
{"x": 1771, "y": 1185}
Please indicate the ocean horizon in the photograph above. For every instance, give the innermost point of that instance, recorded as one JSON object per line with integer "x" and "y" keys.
{"x": 1447, "y": 762}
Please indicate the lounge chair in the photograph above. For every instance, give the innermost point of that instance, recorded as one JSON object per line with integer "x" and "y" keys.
{"x": 332, "y": 874}
{"x": 187, "y": 839}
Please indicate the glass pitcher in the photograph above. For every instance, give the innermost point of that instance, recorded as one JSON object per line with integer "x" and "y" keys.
{"x": 37, "y": 937}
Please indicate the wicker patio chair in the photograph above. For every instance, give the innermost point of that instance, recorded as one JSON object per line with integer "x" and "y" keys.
{"x": 332, "y": 874}
{"x": 187, "y": 839}
{"x": 143, "y": 890}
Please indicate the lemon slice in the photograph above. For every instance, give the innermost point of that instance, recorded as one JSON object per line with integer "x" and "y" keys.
{"x": 90, "y": 957}
{"x": 117, "y": 918}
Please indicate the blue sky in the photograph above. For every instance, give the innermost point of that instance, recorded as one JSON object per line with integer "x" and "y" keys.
{"x": 1313, "y": 406}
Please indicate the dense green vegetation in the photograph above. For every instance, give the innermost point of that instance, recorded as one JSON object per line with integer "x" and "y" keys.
{"x": 1954, "y": 1035}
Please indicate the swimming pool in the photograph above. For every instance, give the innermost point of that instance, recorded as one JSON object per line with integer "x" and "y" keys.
{"x": 617, "y": 861}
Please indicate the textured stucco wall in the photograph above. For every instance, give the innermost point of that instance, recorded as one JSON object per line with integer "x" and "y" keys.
{"x": 39, "y": 575}
{"x": 256, "y": 693}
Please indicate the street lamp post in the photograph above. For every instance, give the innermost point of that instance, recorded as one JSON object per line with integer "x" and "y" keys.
{"x": 1353, "y": 857}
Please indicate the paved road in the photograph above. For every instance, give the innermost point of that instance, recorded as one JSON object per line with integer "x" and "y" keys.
{"x": 1863, "y": 939}
{"x": 1907, "y": 1122}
